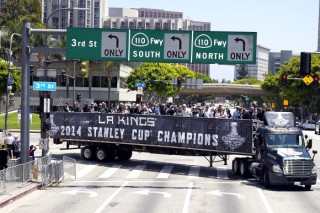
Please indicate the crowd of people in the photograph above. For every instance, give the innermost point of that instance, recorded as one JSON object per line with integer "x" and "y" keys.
{"x": 208, "y": 110}
{"x": 11, "y": 150}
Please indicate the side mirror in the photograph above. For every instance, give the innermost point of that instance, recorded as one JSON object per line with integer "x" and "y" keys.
{"x": 309, "y": 144}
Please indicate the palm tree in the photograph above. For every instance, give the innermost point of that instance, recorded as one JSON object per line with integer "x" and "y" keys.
{"x": 108, "y": 66}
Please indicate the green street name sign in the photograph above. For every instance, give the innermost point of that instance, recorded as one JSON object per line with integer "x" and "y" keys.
{"x": 162, "y": 46}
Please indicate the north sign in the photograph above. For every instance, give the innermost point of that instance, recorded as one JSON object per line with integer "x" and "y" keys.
{"x": 162, "y": 46}
{"x": 224, "y": 47}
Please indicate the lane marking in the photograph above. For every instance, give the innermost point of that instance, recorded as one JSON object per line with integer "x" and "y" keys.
{"x": 161, "y": 181}
{"x": 109, "y": 199}
{"x": 194, "y": 172}
{"x": 165, "y": 172}
{"x": 85, "y": 171}
{"x": 188, "y": 198}
{"x": 136, "y": 171}
{"x": 110, "y": 171}
{"x": 265, "y": 201}
{"x": 222, "y": 172}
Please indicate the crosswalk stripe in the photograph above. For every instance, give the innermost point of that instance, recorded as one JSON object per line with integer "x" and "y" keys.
{"x": 194, "y": 172}
{"x": 165, "y": 172}
{"x": 222, "y": 172}
{"x": 85, "y": 171}
{"x": 110, "y": 171}
{"x": 136, "y": 171}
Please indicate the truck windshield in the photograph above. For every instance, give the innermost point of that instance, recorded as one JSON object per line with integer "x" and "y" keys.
{"x": 284, "y": 140}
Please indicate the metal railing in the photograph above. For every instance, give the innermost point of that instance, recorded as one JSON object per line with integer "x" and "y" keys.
{"x": 41, "y": 171}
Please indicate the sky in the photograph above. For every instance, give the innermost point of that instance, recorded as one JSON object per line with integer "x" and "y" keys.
{"x": 280, "y": 24}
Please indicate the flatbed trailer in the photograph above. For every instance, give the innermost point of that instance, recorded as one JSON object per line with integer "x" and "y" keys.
{"x": 107, "y": 136}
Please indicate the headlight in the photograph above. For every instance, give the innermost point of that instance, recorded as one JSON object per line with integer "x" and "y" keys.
{"x": 314, "y": 170}
{"x": 276, "y": 169}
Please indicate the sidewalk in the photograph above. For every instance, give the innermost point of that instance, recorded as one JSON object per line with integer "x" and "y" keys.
{"x": 17, "y": 193}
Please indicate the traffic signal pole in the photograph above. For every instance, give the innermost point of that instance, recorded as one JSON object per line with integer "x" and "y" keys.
{"x": 27, "y": 31}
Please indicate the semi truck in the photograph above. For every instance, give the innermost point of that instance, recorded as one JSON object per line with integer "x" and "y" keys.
{"x": 274, "y": 151}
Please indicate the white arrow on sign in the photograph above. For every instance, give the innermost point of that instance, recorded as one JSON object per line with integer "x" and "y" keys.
{"x": 76, "y": 191}
{"x": 218, "y": 193}
{"x": 147, "y": 192}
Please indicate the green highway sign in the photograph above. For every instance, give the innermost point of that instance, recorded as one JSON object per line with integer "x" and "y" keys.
{"x": 162, "y": 46}
{"x": 224, "y": 47}
{"x": 97, "y": 44}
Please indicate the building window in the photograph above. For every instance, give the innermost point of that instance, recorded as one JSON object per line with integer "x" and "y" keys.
{"x": 123, "y": 84}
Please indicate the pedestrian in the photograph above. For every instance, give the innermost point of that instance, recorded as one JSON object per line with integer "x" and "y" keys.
{"x": 32, "y": 148}
{"x": 4, "y": 157}
{"x": 16, "y": 147}
{"x": 8, "y": 142}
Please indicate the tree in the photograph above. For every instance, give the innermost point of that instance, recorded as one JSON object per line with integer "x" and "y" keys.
{"x": 249, "y": 81}
{"x": 12, "y": 15}
{"x": 15, "y": 74}
{"x": 242, "y": 71}
{"x": 108, "y": 67}
{"x": 158, "y": 78}
{"x": 18, "y": 11}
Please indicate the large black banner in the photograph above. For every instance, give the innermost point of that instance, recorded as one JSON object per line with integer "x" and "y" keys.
{"x": 166, "y": 131}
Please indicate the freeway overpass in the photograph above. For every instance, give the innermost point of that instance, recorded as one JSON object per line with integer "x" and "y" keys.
{"x": 223, "y": 89}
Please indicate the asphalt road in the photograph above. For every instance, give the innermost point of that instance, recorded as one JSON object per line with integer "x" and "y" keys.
{"x": 165, "y": 183}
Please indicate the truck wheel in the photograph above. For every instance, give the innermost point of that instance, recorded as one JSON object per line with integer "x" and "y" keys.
{"x": 87, "y": 153}
{"x": 124, "y": 154}
{"x": 266, "y": 180}
{"x": 110, "y": 154}
{"x": 235, "y": 166}
{"x": 307, "y": 187}
{"x": 244, "y": 171}
{"x": 101, "y": 154}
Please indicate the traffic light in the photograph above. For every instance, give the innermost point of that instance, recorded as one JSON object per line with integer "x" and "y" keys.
{"x": 84, "y": 69}
{"x": 11, "y": 99}
{"x": 31, "y": 70}
{"x": 79, "y": 97}
{"x": 138, "y": 98}
{"x": 316, "y": 81}
{"x": 179, "y": 82}
{"x": 305, "y": 63}
{"x": 284, "y": 79}
{"x": 63, "y": 76}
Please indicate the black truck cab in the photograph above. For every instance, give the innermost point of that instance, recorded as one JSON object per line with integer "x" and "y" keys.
{"x": 281, "y": 153}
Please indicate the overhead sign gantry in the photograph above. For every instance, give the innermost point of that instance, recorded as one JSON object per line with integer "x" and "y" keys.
{"x": 162, "y": 46}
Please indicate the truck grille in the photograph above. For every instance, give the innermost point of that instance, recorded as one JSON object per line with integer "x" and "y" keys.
{"x": 297, "y": 167}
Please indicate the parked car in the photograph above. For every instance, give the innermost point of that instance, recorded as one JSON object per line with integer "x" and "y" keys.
{"x": 317, "y": 128}
{"x": 309, "y": 124}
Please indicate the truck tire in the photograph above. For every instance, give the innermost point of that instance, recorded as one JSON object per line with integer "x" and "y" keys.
{"x": 266, "y": 180}
{"x": 244, "y": 168}
{"x": 87, "y": 153}
{"x": 110, "y": 154}
{"x": 235, "y": 166}
{"x": 124, "y": 154}
{"x": 101, "y": 154}
{"x": 307, "y": 187}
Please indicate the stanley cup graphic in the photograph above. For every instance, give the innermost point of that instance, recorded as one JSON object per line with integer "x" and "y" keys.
{"x": 233, "y": 140}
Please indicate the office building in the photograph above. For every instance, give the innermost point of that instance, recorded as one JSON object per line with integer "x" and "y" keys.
{"x": 90, "y": 18}
{"x": 276, "y": 59}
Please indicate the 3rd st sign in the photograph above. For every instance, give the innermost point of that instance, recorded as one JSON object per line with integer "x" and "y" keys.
{"x": 97, "y": 44}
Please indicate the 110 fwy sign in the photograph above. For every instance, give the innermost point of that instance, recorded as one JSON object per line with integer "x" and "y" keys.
{"x": 162, "y": 46}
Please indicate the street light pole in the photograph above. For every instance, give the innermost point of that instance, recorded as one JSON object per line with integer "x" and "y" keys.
{"x": 9, "y": 87}
{"x": 46, "y": 94}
